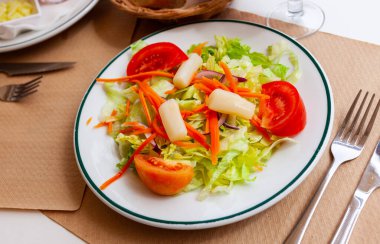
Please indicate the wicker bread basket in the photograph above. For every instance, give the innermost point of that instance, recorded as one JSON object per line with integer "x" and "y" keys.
{"x": 202, "y": 10}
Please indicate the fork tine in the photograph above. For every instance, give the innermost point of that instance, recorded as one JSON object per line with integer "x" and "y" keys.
{"x": 369, "y": 126}
{"x": 361, "y": 125}
{"x": 352, "y": 126}
{"x": 29, "y": 82}
{"x": 25, "y": 90}
{"x": 18, "y": 97}
{"x": 348, "y": 116}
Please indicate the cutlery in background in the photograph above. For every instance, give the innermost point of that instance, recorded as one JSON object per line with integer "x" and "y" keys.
{"x": 33, "y": 68}
{"x": 368, "y": 183}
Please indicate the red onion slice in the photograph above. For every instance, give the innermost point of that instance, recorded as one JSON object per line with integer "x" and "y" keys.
{"x": 219, "y": 76}
{"x": 230, "y": 126}
{"x": 222, "y": 120}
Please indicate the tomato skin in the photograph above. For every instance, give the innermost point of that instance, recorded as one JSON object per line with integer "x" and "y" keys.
{"x": 161, "y": 177}
{"x": 284, "y": 113}
{"x": 157, "y": 56}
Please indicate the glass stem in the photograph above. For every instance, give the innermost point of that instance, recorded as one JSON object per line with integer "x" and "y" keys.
{"x": 295, "y": 7}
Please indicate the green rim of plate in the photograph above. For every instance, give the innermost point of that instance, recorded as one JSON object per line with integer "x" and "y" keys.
{"x": 149, "y": 219}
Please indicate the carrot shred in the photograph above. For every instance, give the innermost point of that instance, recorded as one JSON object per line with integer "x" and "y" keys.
{"x": 203, "y": 88}
{"x": 136, "y": 76}
{"x": 138, "y": 132}
{"x": 187, "y": 144}
{"x": 198, "y": 48}
{"x": 214, "y": 133}
{"x": 253, "y": 95}
{"x": 145, "y": 107}
{"x": 207, "y": 125}
{"x": 110, "y": 127}
{"x": 243, "y": 89}
{"x": 196, "y": 135}
{"x": 101, "y": 124}
{"x": 88, "y": 121}
{"x": 114, "y": 112}
{"x": 133, "y": 123}
{"x": 160, "y": 131}
{"x": 130, "y": 160}
{"x": 260, "y": 129}
{"x": 171, "y": 91}
{"x": 198, "y": 109}
{"x": 231, "y": 80}
{"x": 127, "y": 108}
{"x": 148, "y": 91}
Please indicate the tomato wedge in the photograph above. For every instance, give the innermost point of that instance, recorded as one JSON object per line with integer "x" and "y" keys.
{"x": 162, "y": 177}
{"x": 284, "y": 113}
{"x": 157, "y": 56}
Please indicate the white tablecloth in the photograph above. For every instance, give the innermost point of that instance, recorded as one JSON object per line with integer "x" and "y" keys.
{"x": 349, "y": 18}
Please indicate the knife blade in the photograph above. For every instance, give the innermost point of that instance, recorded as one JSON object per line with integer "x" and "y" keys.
{"x": 33, "y": 68}
{"x": 368, "y": 183}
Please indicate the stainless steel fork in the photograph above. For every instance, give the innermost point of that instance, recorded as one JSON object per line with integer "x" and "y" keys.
{"x": 347, "y": 145}
{"x": 13, "y": 93}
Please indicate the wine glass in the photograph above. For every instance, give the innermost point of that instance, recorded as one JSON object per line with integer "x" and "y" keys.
{"x": 297, "y": 18}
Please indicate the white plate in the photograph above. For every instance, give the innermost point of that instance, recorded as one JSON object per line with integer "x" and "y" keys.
{"x": 97, "y": 153}
{"x": 33, "y": 37}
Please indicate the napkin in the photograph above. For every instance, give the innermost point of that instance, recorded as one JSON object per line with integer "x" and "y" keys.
{"x": 50, "y": 14}
{"x": 350, "y": 65}
{"x": 38, "y": 167}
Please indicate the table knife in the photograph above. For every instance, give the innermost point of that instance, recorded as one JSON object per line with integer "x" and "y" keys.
{"x": 369, "y": 182}
{"x": 33, "y": 68}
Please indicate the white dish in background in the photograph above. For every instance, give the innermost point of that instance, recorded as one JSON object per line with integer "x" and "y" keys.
{"x": 97, "y": 153}
{"x": 37, "y": 6}
{"x": 54, "y": 18}
{"x": 10, "y": 29}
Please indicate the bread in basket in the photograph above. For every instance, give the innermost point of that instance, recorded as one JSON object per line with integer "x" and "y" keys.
{"x": 200, "y": 9}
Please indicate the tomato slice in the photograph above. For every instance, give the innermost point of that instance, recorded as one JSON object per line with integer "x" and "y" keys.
{"x": 162, "y": 177}
{"x": 157, "y": 56}
{"x": 284, "y": 113}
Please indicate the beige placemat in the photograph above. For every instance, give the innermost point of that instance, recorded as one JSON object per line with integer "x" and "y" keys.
{"x": 38, "y": 168}
{"x": 350, "y": 65}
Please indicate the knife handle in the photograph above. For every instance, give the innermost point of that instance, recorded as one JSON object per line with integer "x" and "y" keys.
{"x": 344, "y": 231}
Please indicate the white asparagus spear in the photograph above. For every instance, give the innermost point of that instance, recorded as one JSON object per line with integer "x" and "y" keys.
{"x": 230, "y": 103}
{"x": 172, "y": 120}
{"x": 186, "y": 71}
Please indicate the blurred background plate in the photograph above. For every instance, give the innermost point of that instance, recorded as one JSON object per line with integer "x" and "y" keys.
{"x": 33, "y": 37}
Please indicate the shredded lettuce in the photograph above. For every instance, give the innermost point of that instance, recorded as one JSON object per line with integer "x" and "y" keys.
{"x": 137, "y": 46}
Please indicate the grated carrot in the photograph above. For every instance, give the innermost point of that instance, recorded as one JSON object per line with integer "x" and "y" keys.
{"x": 160, "y": 131}
{"x": 171, "y": 91}
{"x": 143, "y": 131}
{"x": 145, "y": 107}
{"x": 114, "y": 112}
{"x": 136, "y": 76}
{"x": 110, "y": 127}
{"x": 127, "y": 108}
{"x": 243, "y": 89}
{"x": 203, "y": 88}
{"x": 253, "y": 95}
{"x": 187, "y": 144}
{"x": 129, "y": 162}
{"x": 214, "y": 133}
{"x": 198, "y": 48}
{"x": 231, "y": 80}
{"x": 101, "y": 124}
{"x": 196, "y": 135}
{"x": 88, "y": 121}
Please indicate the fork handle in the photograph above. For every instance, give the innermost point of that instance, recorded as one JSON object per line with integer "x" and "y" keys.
{"x": 344, "y": 231}
{"x": 299, "y": 230}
